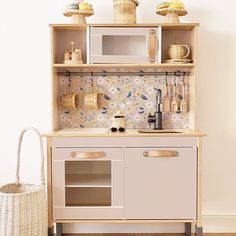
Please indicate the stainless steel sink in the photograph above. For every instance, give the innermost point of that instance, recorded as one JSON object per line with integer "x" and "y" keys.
{"x": 154, "y": 131}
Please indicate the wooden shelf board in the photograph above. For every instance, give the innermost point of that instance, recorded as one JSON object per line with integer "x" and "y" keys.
{"x": 102, "y": 66}
{"x": 124, "y": 221}
{"x": 88, "y": 204}
{"x": 87, "y": 186}
{"x": 181, "y": 26}
{"x": 88, "y": 180}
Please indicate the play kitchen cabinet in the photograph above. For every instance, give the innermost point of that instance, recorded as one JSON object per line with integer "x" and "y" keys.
{"x": 93, "y": 185}
{"x": 128, "y": 177}
{"x": 136, "y": 178}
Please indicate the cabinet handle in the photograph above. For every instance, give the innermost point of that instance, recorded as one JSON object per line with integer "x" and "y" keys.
{"x": 88, "y": 155}
{"x": 152, "y": 45}
{"x": 162, "y": 153}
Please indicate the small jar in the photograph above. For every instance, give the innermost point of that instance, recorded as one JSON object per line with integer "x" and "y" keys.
{"x": 76, "y": 55}
{"x": 67, "y": 55}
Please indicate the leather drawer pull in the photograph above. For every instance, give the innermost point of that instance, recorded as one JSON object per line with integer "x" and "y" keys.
{"x": 152, "y": 45}
{"x": 88, "y": 155}
{"x": 163, "y": 153}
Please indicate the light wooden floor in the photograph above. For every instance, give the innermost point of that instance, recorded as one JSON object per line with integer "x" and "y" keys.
{"x": 148, "y": 234}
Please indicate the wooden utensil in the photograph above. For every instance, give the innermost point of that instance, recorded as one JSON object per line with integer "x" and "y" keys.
{"x": 183, "y": 103}
{"x": 174, "y": 104}
{"x": 166, "y": 100}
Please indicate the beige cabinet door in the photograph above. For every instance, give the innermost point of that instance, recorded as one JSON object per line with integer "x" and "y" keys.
{"x": 161, "y": 183}
{"x": 88, "y": 183}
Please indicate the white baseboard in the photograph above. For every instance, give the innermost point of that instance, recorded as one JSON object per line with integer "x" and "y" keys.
{"x": 219, "y": 223}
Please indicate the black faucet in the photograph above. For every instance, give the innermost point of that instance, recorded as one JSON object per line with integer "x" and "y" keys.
{"x": 157, "y": 117}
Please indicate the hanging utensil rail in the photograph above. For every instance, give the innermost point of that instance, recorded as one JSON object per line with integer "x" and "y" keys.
{"x": 124, "y": 73}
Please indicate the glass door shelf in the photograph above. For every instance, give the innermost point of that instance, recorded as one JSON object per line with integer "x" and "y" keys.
{"x": 88, "y": 196}
{"x": 88, "y": 180}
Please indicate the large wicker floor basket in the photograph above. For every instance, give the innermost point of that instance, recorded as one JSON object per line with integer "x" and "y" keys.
{"x": 125, "y": 11}
{"x": 23, "y": 207}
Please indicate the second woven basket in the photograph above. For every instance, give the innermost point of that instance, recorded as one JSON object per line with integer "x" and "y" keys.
{"x": 125, "y": 11}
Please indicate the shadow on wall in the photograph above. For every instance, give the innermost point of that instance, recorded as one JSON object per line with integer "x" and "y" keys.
{"x": 216, "y": 114}
{"x": 195, "y": 14}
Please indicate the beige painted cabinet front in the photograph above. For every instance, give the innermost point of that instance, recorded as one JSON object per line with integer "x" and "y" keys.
{"x": 161, "y": 183}
{"x": 125, "y": 178}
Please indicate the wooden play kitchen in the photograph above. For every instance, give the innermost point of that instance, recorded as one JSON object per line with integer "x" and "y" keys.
{"x": 141, "y": 175}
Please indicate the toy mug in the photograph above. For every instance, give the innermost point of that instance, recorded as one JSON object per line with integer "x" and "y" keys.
{"x": 91, "y": 100}
{"x": 69, "y": 101}
{"x": 178, "y": 51}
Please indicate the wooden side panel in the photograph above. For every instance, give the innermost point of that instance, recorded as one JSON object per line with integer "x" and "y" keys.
{"x": 49, "y": 182}
{"x": 192, "y": 100}
{"x": 54, "y": 110}
{"x": 53, "y": 81}
{"x": 161, "y": 187}
{"x": 193, "y": 77}
{"x": 87, "y": 45}
{"x": 159, "y": 45}
{"x": 199, "y": 182}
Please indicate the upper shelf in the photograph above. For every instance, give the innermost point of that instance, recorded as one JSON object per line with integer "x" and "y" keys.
{"x": 131, "y": 66}
{"x": 109, "y": 45}
{"x": 181, "y": 26}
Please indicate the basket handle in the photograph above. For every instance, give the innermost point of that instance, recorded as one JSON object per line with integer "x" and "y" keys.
{"x": 19, "y": 152}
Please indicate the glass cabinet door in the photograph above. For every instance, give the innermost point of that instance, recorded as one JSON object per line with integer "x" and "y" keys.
{"x": 88, "y": 183}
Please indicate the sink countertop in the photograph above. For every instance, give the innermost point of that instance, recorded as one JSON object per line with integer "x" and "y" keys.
{"x": 128, "y": 133}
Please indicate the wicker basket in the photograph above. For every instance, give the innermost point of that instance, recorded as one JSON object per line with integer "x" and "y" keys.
{"x": 23, "y": 207}
{"x": 125, "y": 11}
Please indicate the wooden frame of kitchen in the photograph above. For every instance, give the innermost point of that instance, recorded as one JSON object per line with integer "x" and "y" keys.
{"x": 95, "y": 178}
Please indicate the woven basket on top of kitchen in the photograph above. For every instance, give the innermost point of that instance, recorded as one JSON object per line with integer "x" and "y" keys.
{"x": 23, "y": 207}
{"x": 125, "y": 11}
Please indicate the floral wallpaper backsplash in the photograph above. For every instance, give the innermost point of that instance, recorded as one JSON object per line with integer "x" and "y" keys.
{"x": 133, "y": 95}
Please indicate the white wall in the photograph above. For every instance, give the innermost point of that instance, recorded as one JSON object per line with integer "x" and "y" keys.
{"x": 25, "y": 94}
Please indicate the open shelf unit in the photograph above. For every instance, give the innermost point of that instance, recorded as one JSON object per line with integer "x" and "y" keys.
{"x": 63, "y": 34}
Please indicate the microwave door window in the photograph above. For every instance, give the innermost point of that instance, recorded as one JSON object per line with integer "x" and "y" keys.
{"x": 124, "y": 45}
